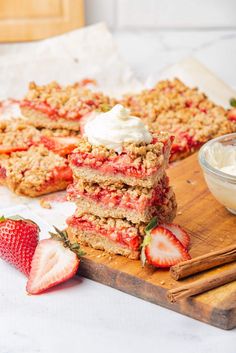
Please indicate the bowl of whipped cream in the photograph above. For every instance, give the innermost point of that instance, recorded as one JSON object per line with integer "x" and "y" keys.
{"x": 217, "y": 158}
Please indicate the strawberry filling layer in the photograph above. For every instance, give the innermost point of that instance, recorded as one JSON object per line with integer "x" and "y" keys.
{"x": 125, "y": 200}
{"x": 186, "y": 144}
{"x": 127, "y": 237}
{"x": 85, "y": 107}
{"x": 121, "y": 164}
{"x": 59, "y": 174}
{"x": 2, "y": 173}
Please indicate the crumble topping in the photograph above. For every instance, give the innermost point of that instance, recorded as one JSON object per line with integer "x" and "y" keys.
{"x": 58, "y": 132}
{"x": 16, "y": 133}
{"x": 34, "y": 167}
{"x": 186, "y": 112}
{"x": 110, "y": 224}
{"x": 137, "y": 154}
{"x": 69, "y": 101}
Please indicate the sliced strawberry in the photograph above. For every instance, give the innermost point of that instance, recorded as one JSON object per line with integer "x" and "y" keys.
{"x": 232, "y": 114}
{"x": 179, "y": 232}
{"x": 162, "y": 249}
{"x": 60, "y": 145}
{"x": 62, "y": 173}
{"x": 55, "y": 261}
{"x": 52, "y": 264}
{"x": 9, "y": 149}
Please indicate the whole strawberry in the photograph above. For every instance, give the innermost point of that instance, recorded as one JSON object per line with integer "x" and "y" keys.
{"x": 18, "y": 240}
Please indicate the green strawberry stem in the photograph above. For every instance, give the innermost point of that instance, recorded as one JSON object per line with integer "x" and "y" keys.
{"x": 233, "y": 102}
{"x": 61, "y": 235}
{"x": 152, "y": 224}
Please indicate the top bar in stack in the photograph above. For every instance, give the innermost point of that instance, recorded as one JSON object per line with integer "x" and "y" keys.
{"x": 119, "y": 183}
{"x": 54, "y": 107}
{"x": 138, "y": 164}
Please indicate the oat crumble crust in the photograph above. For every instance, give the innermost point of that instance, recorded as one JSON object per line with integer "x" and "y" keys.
{"x": 68, "y": 100}
{"x": 172, "y": 106}
{"x": 28, "y": 171}
{"x": 119, "y": 189}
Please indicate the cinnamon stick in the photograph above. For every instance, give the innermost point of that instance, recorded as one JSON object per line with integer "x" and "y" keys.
{"x": 204, "y": 262}
{"x": 202, "y": 285}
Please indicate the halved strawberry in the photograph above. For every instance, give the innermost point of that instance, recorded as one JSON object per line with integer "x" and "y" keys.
{"x": 179, "y": 232}
{"x": 161, "y": 248}
{"x": 55, "y": 261}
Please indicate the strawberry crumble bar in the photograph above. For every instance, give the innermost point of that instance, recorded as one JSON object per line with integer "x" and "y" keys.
{"x": 135, "y": 203}
{"x": 138, "y": 163}
{"x": 16, "y": 135}
{"x": 112, "y": 235}
{"x": 35, "y": 172}
{"x": 55, "y": 107}
{"x": 184, "y": 112}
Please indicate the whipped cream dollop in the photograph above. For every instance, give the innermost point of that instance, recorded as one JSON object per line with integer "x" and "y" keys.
{"x": 115, "y": 127}
{"x": 222, "y": 157}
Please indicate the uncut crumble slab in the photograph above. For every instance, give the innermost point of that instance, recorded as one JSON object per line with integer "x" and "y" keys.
{"x": 54, "y": 106}
{"x": 33, "y": 172}
{"x": 186, "y": 112}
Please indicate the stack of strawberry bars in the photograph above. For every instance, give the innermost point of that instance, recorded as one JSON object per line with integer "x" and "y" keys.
{"x": 118, "y": 193}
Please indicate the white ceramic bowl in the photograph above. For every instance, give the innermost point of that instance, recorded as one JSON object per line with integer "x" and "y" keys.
{"x": 221, "y": 185}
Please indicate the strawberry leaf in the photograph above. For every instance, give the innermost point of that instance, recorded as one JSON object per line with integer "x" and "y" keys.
{"x": 233, "y": 102}
{"x": 62, "y": 235}
{"x": 152, "y": 224}
{"x": 2, "y": 218}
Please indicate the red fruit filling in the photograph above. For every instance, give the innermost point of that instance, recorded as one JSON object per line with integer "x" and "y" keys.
{"x": 125, "y": 200}
{"x": 2, "y": 173}
{"x": 76, "y": 113}
{"x": 59, "y": 174}
{"x": 184, "y": 143}
{"x": 121, "y": 164}
{"x": 127, "y": 236}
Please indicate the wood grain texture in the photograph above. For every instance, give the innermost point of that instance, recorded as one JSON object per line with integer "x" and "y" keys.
{"x": 24, "y": 20}
{"x": 211, "y": 227}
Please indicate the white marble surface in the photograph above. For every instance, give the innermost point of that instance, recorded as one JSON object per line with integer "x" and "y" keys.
{"x": 84, "y": 316}
{"x": 149, "y": 52}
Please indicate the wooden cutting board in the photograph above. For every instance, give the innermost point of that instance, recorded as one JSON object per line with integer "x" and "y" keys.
{"x": 211, "y": 227}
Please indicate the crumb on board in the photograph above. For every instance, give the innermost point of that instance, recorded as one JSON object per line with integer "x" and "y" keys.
{"x": 162, "y": 282}
{"x": 191, "y": 182}
{"x": 45, "y": 204}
